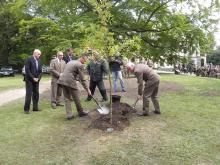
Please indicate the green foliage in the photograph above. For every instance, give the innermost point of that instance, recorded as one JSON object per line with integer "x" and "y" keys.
{"x": 163, "y": 28}
{"x": 41, "y": 33}
{"x": 214, "y": 57}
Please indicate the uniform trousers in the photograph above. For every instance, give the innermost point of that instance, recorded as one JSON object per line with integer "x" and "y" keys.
{"x": 71, "y": 94}
{"x": 151, "y": 91}
{"x": 56, "y": 93}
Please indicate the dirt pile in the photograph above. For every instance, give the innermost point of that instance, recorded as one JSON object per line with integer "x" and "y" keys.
{"x": 121, "y": 112}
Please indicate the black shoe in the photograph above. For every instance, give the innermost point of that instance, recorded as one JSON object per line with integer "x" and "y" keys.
{"x": 26, "y": 112}
{"x": 157, "y": 112}
{"x": 143, "y": 114}
{"x": 83, "y": 113}
{"x": 123, "y": 90}
{"x": 58, "y": 104}
{"x": 88, "y": 99}
{"x": 70, "y": 118}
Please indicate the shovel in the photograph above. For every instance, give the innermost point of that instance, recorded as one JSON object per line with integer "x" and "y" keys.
{"x": 102, "y": 110}
{"x": 135, "y": 104}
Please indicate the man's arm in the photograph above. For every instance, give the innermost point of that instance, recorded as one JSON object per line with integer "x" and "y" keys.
{"x": 104, "y": 66}
{"x": 40, "y": 71}
{"x": 83, "y": 80}
{"x": 53, "y": 70}
{"x": 28, "y": 68}
{"x": 140, "y": 82}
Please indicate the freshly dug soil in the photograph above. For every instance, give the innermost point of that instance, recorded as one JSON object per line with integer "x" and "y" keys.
{"x": 121, "y": 112}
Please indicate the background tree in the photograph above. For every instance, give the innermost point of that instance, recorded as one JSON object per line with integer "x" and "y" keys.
{"x": 164, "y": 27}
{"x": 11, "y": 12}
{"x": 214, "y": 57}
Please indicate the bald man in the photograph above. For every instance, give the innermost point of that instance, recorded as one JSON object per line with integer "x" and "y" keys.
{"x": 33, "y": 72}
{"x": 152, "y": 81}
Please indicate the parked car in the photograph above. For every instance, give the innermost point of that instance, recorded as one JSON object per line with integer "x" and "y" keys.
{"x": 45, "y": 69}
{"x": 7, "y": 72}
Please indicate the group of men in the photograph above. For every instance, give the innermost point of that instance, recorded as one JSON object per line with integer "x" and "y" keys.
{"x": 67, "y": 70}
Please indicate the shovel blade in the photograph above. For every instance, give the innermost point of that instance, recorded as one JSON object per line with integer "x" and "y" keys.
{"x": 103, "y": 110}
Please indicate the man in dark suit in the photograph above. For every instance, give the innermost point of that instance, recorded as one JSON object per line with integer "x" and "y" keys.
{"x": 33, "y": 72}
{"x": 69, "y": 56}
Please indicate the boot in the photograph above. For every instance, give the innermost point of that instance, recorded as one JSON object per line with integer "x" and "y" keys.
{"x": 82, "y": 113}
{"x": 104, "y": 95}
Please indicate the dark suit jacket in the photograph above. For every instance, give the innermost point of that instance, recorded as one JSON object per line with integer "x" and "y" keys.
{"x": 31, "y": 70}
{"x": 66, "y": 58}
{"x": 97, "y": 69}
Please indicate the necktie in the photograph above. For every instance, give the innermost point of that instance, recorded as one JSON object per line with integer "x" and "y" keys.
{"x": 36, "y": 64}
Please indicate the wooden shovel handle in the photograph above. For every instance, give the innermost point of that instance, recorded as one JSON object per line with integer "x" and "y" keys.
{"x": 96, "y": 102}
{"x": 135, "y": 103}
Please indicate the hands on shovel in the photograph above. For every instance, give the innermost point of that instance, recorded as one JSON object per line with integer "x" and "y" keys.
{"x": 139, "y": 97}
{"x": 89, "y": 92}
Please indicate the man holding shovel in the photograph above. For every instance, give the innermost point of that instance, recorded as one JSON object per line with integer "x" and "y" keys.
{"x": 152, "y": 80}
{"x": 73, "y": 72}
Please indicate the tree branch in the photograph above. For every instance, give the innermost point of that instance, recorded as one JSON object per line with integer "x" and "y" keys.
{"x": 155, "y": 10}
{"x": 151, "y": 44}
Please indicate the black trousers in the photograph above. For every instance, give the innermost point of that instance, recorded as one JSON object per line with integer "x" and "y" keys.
{"x": 32, "y": 91}
{"x": 101, "y": 87}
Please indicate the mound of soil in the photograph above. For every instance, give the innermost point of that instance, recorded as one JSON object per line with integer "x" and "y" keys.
{"x": 120, "y": 117}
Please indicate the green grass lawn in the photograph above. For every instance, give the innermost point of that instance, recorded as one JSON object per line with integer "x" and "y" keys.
{"x": 187, "y": 132}
{"x": 16, "y": 82}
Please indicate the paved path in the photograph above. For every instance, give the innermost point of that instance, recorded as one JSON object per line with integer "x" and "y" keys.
{"x": 14, "y": 94}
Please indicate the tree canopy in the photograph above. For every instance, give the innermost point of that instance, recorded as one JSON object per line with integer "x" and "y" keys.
{"x": 214, "y": 57}
{"x": 156, "y": 29}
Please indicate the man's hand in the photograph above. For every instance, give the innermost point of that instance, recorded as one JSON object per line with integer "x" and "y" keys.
{"x": 89, "y": 92}
{"x": 35, "y": 79}
{"x": 139, "y": 97}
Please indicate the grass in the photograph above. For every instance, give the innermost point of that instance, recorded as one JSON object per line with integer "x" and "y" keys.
{"x": 16, "y": 82}
{"x": 188, "y": 132}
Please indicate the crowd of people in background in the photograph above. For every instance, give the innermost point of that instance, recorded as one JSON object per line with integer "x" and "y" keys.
{"x": 209, "y": 70}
